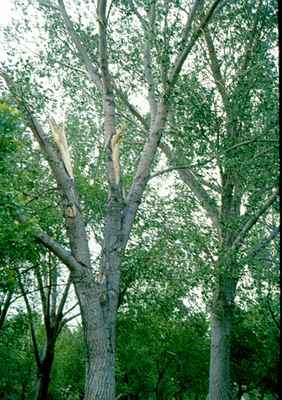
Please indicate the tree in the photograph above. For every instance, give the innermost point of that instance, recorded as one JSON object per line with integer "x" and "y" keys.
{"x": 162, "y": 348}
{"x": 254, "y": 345}
{"x": 16, "y": 367}
{"x": 23, "y": 261}
{"x": 162, "y": 357}
{"x": 97, "y": 285}
{"x": 230, "y": 161}
{"x": 10, "y": 124}
{"x": 55, "y": 317}
{"x": 255, "y": 352}
{"x": 69, "y": 365}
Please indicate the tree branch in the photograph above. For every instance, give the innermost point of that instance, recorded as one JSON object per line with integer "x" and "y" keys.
{"x": 264, "y": 242}
{"x": 252, "y": 220}
{"x": 148, "y": 62}
{"x": 175, "y": 70}
{"x": 190, "y": 18}
{"x": 57, "y": 249}
{"x": 250, "y": 46}
{"x": 91, "y": 69}
{"x": 63, "y": 299}
{"x": 167, "y": 170}
{"x": 53, "y": 157}
{"x": 195, "y": 186}
{"x": 31, "y": 324}
{"x": 47, "y": 4}
{"x": 65, "y": 321}
{"x": 215, "y": 67}
{"x": 109, "y": 106}
{"x": 152, "y": 143}
{"x": 138, "y": 15}
{"x": 273, "y": 316}
{"x": 53, "y": 283}
{"x": 123, "y": 97}
{"x": 143, "y": 169}
{"x": 74, "y": 221}
{"x": 73, "y": 218}
{"x": 70, "y": 309}
{"x": 64, "y": 255}
{"x": 42, "y": 294}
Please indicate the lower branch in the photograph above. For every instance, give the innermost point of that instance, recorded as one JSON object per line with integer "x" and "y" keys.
{"x": 253, "y": 220}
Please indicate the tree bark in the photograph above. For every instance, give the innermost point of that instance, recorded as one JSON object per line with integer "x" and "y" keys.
{"x": 99, "y": 330}
{"x": 220, "y": 387}
{"x": 98, "y": 298}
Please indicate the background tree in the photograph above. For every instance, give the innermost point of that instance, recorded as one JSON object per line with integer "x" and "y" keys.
{"x": 255, "y": 353}
{"x": 23, "y": 261}
{"x": 232, "y": 162}
{"x": 13, "y": 247}
{"x": 17, "y": 364}
{"x": 53, "y": 291}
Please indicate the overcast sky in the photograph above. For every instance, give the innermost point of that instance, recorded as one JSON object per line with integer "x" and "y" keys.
{"x": 5, "y": 12}
{"x": 5, "y": 17}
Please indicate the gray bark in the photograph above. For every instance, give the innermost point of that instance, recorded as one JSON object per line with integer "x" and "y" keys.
{"x": 220, "y": 387}
{"x": 98, "y": 299}
{"x": 219, "y": 384}
{"x": 100, "y": 362}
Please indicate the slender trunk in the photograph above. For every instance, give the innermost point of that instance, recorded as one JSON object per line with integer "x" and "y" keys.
{"x": 221, "y": 324}
{"x": 4, "y": 308}
{"x": 45, "y": 370}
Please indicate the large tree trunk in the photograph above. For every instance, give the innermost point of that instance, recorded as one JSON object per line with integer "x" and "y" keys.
{"x": 98, "y": 298}
{"x": 100, "y": 373}
{"x": 99, "y": 331}
{"x": 220, "y": 387}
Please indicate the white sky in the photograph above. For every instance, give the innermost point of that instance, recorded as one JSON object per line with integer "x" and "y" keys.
{"x": 5, "y": 19}
{"x": 5, "y": 12}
